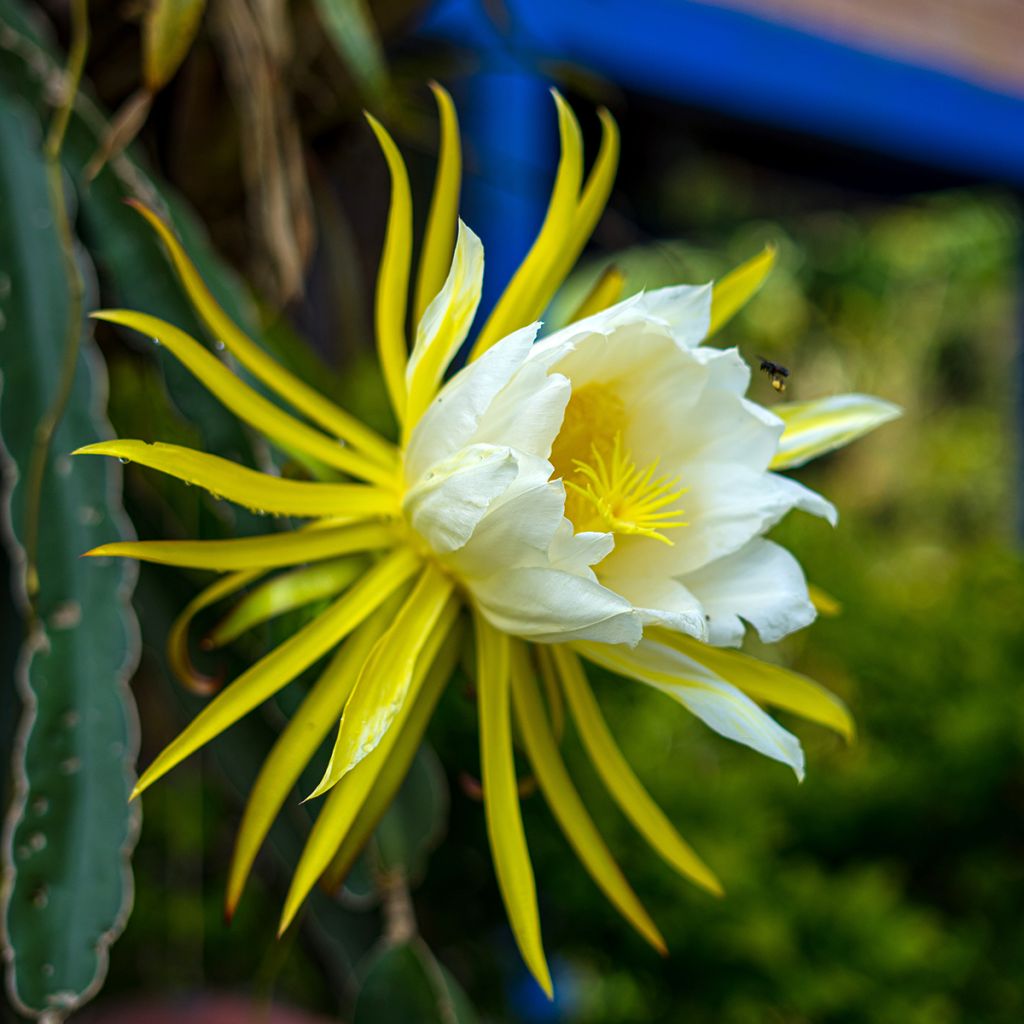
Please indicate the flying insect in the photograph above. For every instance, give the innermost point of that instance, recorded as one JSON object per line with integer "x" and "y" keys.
{"x": 777, "y": 373}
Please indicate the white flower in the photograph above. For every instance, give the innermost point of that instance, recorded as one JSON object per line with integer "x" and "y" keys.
{"x": 603, "y": 492}
{"x": 613, "y": 477}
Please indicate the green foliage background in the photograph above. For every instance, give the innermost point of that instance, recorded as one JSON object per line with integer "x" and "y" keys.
{"x": 887, "y": 887}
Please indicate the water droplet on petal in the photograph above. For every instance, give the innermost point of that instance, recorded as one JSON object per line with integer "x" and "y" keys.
{"x": 123, "y": 460}
{"x": 156, "y": 341}
{"x": 219, "y": 345}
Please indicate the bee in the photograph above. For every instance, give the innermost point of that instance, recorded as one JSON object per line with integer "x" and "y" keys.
{"x": 777, "y": 373}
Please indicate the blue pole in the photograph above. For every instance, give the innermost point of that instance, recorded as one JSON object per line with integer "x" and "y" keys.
{"x": 510, "y": 152}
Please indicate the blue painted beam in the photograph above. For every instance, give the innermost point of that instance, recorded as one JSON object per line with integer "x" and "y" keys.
{"x": 742, "y": 65}
{"x": 510, "y": 142}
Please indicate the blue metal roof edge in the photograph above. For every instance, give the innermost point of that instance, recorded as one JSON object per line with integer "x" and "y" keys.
{"x": 745, "y": 66}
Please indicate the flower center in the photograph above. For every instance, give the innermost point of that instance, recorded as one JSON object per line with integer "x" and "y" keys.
{"x": 604, "y": 488}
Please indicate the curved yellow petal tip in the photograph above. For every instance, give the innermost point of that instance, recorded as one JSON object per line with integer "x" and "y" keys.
{"x": 824, "y": 603}
{"x": 137, "y": 204}
{"x": 136, "y": 792}
{"x": 318, "y": 792}
{"x": 438, "y": 89}
{"x": 546, "y": 987}
{"x": 113, "y": 316}
{"x": 287, "y": 916}
{"x": 99, "y": 448}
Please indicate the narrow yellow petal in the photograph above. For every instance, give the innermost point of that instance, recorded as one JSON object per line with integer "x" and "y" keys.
{"x": 522, "y": 301}
{"x": 444, "y": 206}
{"x": 177, "y": 638}
{"x": 444, "y": 326}
{"x": 393, "y": 768}
{"x": 283, "y": 593}
{"x": 565, "y": 802}
{"x": 386, "y": 765}
{"x": 393, "y": 274}
{"x": 824, "y": 603}
{"x": 257, "y": 491}
{"x": 552, "y": 689}
{"x": 606, "y": 292}
{"x": 298, "y": 743}
{"x": 501, "y": 799}
{"x": 264, "y": 367}
{"x": 247, "y": 404}
{"x": 626, "y": 789}
{"x": 278, "y": 668}
{"x": 385, "y": 681}
{"x": 738, "y": 287}
{"x": 820, "y": 426}
{"x": 270, "y": 551}
{"x": 771, "y": 684}
{"x": 591, "y": 205}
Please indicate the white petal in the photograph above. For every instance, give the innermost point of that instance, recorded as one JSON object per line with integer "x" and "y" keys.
{"x": 684, "y": 309}
{"x": 449, "y": 500}
{"x": 681, "y": 311}
{"x": 527, "y": 413}
{"x": 692, "y": 409}
{"x": 452, "y": 418}
{"x": 717, "y": 703}
{"x": 661, "y": 601}
{"x": 446, "y": 321}
{"x": 726, "y": 505}
{"x": 761, "y": 583}
{"x": 553, "y": 606}
{"x": 735, "y": 716}
{"x": 813, "y": 428}
{"x": 519, "y": 526}
{"x": 577, "y": 552}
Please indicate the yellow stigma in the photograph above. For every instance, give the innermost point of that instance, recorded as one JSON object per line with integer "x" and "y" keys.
{"x": 604, "y": 488}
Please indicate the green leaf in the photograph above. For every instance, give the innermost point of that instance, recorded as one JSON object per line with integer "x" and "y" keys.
{"x": 70, "y": 830}
{"x": 356, "y": 40}
{"x": 405, "y": 983}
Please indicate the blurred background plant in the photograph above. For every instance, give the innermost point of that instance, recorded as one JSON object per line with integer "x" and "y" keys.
{"x": 884, "y": 889}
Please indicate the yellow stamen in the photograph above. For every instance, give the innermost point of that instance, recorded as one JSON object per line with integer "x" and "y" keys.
{"x": 625, "y": 499}
{"x": 605, "y": 490}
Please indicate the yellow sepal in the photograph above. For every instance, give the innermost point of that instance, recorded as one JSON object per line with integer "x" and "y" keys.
{"x": 278, "y": 668}
{"x": 565, "y": 802}
{"x": 622, "y": 783}
{"x": 501, "y": 799}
